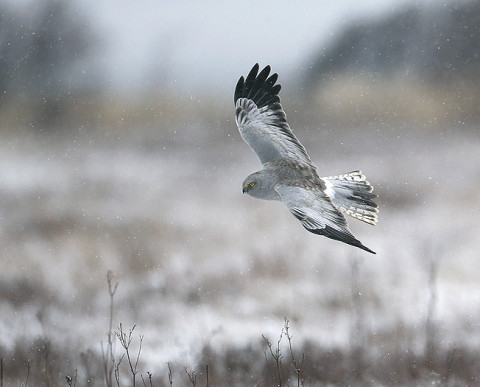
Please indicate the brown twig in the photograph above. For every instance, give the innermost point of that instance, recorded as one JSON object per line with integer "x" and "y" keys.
{"x": 117, "y": 370}
{"x": 149, "y": 379}
{"x": 192, "y": 376}
{"x": 298, "y": 367}
{"x": 277, "y": 356}
{"x": 170, "y": 375}
{"x": 125, "y": 341}
{"x": 28, "y": 373}
{"x": 71, "y": 380}
{"x": 107, "y": 354}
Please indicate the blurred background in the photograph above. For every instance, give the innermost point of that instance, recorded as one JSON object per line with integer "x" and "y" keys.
{"x": 120, "y": 155}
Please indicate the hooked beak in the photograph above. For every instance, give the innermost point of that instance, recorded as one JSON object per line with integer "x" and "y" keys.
{"x": 244, "y": 189}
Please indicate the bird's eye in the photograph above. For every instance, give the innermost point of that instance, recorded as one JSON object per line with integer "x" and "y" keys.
{"x": 252, "y": 184}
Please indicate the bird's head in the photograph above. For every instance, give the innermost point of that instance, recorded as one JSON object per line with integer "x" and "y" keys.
{"x": 249, "y": 184}
{"x": 260, "y": 185}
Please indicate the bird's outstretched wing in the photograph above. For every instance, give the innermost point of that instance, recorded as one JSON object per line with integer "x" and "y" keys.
{"x": 317, "y": 213}
{"x": 261, "y": 120}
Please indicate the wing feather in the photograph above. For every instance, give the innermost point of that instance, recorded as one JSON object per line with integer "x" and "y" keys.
{"x": 317, "y": 214}
{"x": 261, "y": 120}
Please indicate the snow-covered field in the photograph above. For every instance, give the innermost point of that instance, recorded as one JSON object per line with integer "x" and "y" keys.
{"x": 201, "y": 265}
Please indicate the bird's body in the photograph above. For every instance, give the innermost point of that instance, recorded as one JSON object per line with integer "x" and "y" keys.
{"x": 288, "y": 174}
{"x": 278, "y": 172}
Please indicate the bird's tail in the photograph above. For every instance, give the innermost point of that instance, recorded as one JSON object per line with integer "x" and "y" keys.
{"x": 352, "y": 194}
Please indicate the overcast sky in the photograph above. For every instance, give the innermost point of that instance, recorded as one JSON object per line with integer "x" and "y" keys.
{"x": 189, "y": 45}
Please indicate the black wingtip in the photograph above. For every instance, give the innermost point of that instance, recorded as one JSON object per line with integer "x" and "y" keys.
{"x": 258, "y": 86}
{"x": 253, "y": 72}
{"x": 367, "y": 249}
{"x": 238, "y": 89}
{"x": 349, "y": 239}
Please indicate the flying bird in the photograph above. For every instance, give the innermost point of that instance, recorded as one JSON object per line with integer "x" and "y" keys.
{"x": 288, "y": 174}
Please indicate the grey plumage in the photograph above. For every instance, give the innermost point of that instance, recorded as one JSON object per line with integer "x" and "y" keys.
{"x": 288, "y": 174}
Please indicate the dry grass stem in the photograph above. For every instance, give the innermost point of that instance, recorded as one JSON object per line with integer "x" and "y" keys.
{"x": 192, "y": 376}
{"x": 107, "y": 353}
{"x": 297, "y": 366}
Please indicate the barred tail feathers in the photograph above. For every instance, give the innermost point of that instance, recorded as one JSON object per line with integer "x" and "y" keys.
{"x": 352, "y": 194}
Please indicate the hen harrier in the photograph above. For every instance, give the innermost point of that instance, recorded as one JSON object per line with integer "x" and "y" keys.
{"x": 288, "y": 174}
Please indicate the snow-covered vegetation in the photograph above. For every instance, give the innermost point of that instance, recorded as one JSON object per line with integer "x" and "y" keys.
{"x": 204, "y": 271}
{"x": 212, "y": 286}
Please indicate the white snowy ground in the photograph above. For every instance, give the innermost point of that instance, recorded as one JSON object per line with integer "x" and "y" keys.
{"x": 199, "y": 263}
